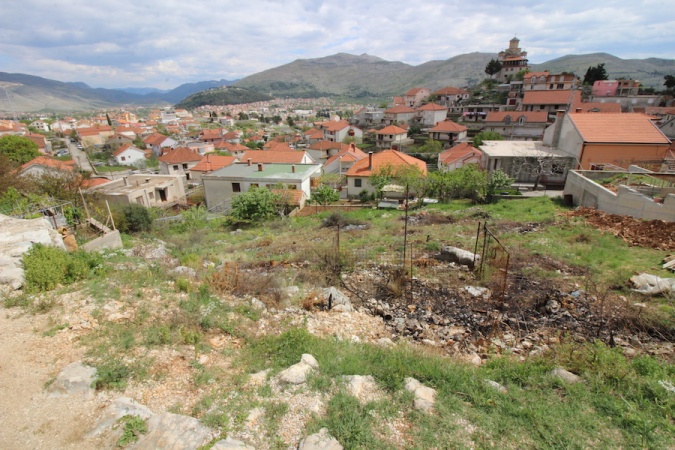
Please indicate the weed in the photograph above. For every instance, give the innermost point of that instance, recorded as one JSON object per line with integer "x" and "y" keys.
{"x": 51, "y": 332}
{"x": 112, "y": 374}
{"x": 134, "y": 426}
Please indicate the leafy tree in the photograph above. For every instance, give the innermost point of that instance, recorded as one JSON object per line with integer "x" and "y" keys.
{"x": 18, "y": 149}
{"x": 430, "y": 146}
{"x": 325, "y": 195}
{"x": 493, "y": 67}
{"x": 290, "y": 121}
{"x": 594, "y": 74}
{"x": 255, "y": 204}
{"x": 497, "y": 181}
{"x": 521, "y": 74}
{"x": 669, "y": 82}
{"x": 486, "y": 136}
{"x": 132, "y": 218}
{"x": 404, "y": 175}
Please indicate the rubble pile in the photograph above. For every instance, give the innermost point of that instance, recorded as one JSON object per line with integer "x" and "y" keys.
{"x": 657, "y": 234}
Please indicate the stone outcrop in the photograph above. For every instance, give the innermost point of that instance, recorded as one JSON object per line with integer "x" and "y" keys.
{"x": 17, "y": 236}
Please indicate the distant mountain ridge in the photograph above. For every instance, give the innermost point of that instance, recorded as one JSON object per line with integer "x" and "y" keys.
{"x": 340, "y": 75}
{"x": 29, "y": 93}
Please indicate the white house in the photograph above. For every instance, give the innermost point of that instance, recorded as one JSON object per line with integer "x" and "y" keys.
{"x": 128, "y": 155}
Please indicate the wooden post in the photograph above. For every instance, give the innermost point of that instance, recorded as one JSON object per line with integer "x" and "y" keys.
{"x": 112, "y": 221}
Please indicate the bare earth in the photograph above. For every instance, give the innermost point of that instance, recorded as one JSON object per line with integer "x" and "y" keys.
{"x": 29, "y": 419}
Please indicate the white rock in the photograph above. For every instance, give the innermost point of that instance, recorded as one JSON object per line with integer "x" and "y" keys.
{"x": 309, "y": 360}
{"x": 425, "y": 397}
{"x": 565, "y": 375}
{"x": 320, "y": 441}
{"x": 231, "y": 444}
{"x": 496, "y": 386}
{"x": 75, "y": 378}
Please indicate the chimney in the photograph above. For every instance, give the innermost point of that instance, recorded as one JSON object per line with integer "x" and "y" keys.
{"x": 248, "y": 160}
{"x": 260, "y": 167}
{"x": 293, "y": 168}
{"x": 557, "y": 126}
{"x": 370, "y": 160}
{"x": 352, "y": 147}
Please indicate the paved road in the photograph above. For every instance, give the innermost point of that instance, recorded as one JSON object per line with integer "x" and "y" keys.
{"x": 80, "y": 157}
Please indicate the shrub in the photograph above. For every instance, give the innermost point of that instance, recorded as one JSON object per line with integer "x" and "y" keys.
{"x": 133, "y": 427}
{"x": 133, "y": 218}
{"x": 46, "y": 267}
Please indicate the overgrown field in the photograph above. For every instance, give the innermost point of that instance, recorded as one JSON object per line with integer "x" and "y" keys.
{"x": 170, "y": 321}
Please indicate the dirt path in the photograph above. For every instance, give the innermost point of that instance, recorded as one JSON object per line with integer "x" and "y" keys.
{"x": 29, "y": 419}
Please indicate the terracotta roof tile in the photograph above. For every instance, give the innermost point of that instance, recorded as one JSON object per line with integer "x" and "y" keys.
{"x": 336, "y": 125}
{"x": 459, "y": 151}
{"x": 399, "y": 109}
{"x": 448, "y": 126}
{"x": 431, "y": 107}
{"x": 50, "y": 162}
{"x": 382, "y": 159}
{"x": 179, "y": 155}
{"x": 209, "y": 163}
{"x": 450, "y": 91}
{"x": 351, "y": 153}
{"x": 392, "y": 129}
{"x": 610, "y": 107}
{"x": 618, "y": 128}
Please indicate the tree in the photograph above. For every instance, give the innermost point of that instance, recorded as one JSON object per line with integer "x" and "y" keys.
{"x": 255, "y": 204}
{"x": 497, "y": 181}
{"x": 486, "y": 136}
{"x": 290, "y": 121}
{"x": 493, "y": 67}
{"x": 594, "y": 74}
{"x": 669, "y": 82}
{"x": 407, "y": 175}
{"x": 18, "y": 149}
{"x": 430, "y": 146}
{"x": 325, "y": 195}
{"x": 541, "y": 165}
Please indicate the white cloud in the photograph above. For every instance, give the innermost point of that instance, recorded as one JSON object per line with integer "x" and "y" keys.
{"x": 166, "y": 43}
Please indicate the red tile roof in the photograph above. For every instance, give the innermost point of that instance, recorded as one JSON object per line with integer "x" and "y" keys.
{"x": 382, "y": 159}
{"x": 431, "y": 107}
{"x": 179, "y": 155}
{"x": 155, "y": 139}
{"x": 463, "y": 150}
{"x": 327, "y": 145}
{"x": 266, "y": 157}
{"x": 336, "y": 125}
{"x": 610, "y": 107}
{"x": 351, "y": 153}
{"x": 450, "y": 91}
{"x": 414, "y": 91}
{"x": 392, "y": 129}
{"x": 92, "y": 182}
{"x": 49, "y": 162}
{"x": 618, "y": 128}
{"x": 209, "y": 163}
{"x": 448, "y": 126}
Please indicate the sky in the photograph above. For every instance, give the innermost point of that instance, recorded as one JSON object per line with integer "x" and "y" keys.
{"x": 163, "y": 44}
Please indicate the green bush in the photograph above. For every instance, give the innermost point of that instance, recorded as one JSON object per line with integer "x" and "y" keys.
{"x": 132, "y": 218}
{"x": 46, "y": 267}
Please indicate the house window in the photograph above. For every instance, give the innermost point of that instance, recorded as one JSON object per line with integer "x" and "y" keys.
{"x": 561, "y": 86}
{"x": 357, "y": 182}
{"x": 255, "y": 185}
{"x": 236, "y": 187}
{"x": 123, "y": 158}
{"x": 175, "y": 168}
{"x": 184, "y": 166}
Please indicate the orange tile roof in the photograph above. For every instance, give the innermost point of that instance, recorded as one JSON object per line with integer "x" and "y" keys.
{"x": 50, "y": 162}
{"x": 529, "y": 75}
{"x": 551, "y": 97}
{"x": 275, "y": 146}
{"x": 267, "y": 157}
{"x": 209, "y": 163}
{"x": 327, "y": 145}
{"x": 414, "y": 91}
{"x": 382, "y": 159}
{"x": 459, "y": 151}
{"x": 392, "y": 129}
{"x": 450, "y": 91}
{"x": 351, "y": 153}
{"x": 618, "y": 128}
{"x": 336, "y": 125}
{"x": 211, "y": 134}
{"x": 448, "y": 126}
{"x": 92, "y": 182}
{"x": 431, "y": 107}
{"x": 179, "y": 155}
{"x": 399, "y": 109}
{"x": 155, "y": 139}
{"x": 125, "y": 147}
{"x": 530, "y": 116}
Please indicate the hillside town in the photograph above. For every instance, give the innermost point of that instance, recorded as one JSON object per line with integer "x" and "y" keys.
{"x": 483, "y": 266}
{"x": 543, "y": 130}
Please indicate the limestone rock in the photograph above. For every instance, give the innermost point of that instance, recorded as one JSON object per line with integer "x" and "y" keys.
{"x": 363, "y": 387}
{"x": 496, "y": 386}
{"x": 565, "y": 375}
{"x": 333, "y": 299}
{"x": 123, "y": 406}
{"x": 425, "y": 396}
{"x": 75, "y": 378}
{"x": 174, "y": 432}
{"x": 184, "y": 271}
{"x": 297, "y": 373}
{"x": 320, "y": 441}
{"x": 457, "y": 255}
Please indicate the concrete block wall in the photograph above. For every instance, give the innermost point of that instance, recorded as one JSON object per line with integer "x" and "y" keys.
{"x": 627, "y": 202}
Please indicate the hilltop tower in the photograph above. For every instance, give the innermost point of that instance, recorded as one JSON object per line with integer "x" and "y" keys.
{"x": 513, "y": 60}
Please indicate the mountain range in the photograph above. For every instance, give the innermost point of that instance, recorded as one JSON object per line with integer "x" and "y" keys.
{"x": 357, "y": 77}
